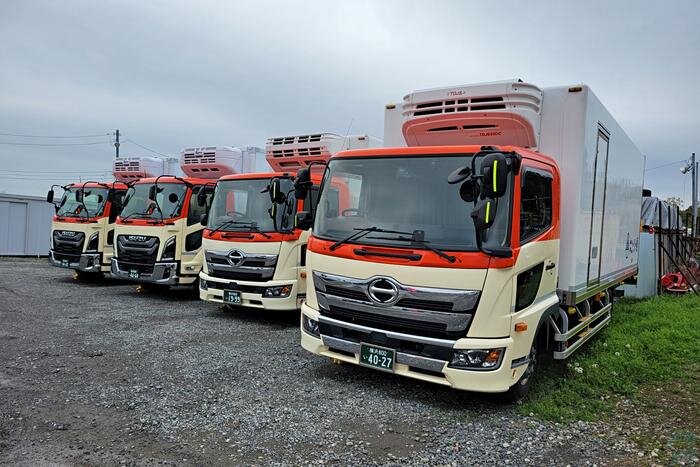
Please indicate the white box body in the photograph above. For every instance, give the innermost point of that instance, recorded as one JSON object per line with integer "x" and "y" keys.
{"x": 291, "y": 153}
{"x": 129, "y": 169}
{"x": 216, "y": 161}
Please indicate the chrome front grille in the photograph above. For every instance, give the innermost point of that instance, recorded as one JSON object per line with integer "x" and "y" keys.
{"x": 68, "y": 245}
{"x": 237, "y": 265}
{"x": 386, "y": 303}
{"x": 138, "y": 252}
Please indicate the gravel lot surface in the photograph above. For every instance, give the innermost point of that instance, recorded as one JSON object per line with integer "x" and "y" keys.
{"x": 95, "y": 373}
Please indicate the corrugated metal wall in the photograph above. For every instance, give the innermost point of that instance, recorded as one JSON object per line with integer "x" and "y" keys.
{"x": 25, "y": 225}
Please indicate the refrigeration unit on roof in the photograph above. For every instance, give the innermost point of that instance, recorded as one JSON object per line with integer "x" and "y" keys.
{"x": 501, "y": 113}
{"x": 290, "y": 153}
{"x": 129, "y": 169}
{"x": 216, "y": 161}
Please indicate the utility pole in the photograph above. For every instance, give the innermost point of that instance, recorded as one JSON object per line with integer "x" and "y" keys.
{"x": 692, "y": 167}
{"x": 694, "y": 174}
{"x": 116, "y": 143}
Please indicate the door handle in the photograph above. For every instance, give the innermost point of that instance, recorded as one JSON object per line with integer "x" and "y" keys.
{"x": 550, "y": 265}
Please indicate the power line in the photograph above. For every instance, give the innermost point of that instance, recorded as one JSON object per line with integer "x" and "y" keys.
{"x": 666, "y": 165}
{"x": 53, "y": 144}
{"x": 53, "y": 136}
{"x": 144, "y": 147}
{"x": 7, "y": 171}
{"x": 3, "y": 177}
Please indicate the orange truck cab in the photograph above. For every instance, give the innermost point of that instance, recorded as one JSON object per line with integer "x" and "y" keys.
{"x": 255, "y": 253}
{"x": 496, "y": 228}
{"x": 82, "y": 231}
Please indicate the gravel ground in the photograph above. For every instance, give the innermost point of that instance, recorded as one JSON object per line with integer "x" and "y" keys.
{"x": 95, "y": 373}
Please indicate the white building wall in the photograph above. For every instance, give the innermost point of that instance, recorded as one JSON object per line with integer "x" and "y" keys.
{"x": 25, "y": 225}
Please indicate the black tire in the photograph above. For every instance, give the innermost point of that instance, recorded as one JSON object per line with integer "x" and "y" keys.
{"x": 520, "y": 389}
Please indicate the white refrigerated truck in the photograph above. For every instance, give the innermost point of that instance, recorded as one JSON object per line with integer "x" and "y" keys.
{"x": 496, "y": 227}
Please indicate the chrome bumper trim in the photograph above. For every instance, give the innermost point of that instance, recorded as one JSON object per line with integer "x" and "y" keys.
{"x": 89, "y": 262}
{"x": 391, "y": 334}
{"x": 416, "y": 361}
{"x": 158, "y": 275}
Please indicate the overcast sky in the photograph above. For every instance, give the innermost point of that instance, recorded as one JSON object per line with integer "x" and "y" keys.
{"x": 175, "y": 74}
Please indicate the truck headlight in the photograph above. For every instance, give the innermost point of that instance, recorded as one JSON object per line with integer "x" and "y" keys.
{"x": 477, "y": 359}
{"x": 311, "y": 326}
{"x": 169, "y": 249}
{"x": 281, "y": 291}
{"x": 92, "y": 243}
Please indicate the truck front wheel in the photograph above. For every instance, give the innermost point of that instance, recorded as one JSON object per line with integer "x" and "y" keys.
{"x": 521, "y": 388}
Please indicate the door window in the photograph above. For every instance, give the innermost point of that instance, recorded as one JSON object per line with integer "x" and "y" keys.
{"x": 535, "y": 204}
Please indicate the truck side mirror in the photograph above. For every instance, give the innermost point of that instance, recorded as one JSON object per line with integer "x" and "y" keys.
{"x": 79, "y": 195}
{"x": 483, "y": 214}
{"x": 172, "y": 197}
{"x": 203, "y": 219}
{"x": 275, "y": 191}
{"x": 303, "y": 220}
{"x": 152, "y": 192}
{"x": 49, "y": 196}
{"x": 302, "y": 183}
{"x": 202, "y": 198}
{"x": 494, "y": 172}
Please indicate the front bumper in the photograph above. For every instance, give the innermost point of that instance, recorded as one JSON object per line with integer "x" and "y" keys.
{"x": 163, "y": 273}
{"x": 418, "y": 366}
{"x": 88, "y": 262}
{"x": 251, "y": 293}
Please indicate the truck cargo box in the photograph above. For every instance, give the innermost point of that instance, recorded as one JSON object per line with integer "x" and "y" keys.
{"x": 602, "y": 174}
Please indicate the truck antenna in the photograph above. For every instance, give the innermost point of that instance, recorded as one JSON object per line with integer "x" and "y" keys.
{"x": 347, "y": 132}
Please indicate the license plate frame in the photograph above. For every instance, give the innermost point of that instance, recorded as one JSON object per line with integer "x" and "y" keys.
{"x": 233, "y": 297}
{"x": 376, "y": 356}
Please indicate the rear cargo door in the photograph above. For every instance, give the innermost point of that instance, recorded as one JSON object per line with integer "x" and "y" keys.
{"x": 600, "y": 176}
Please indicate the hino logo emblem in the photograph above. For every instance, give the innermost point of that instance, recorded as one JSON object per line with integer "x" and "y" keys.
{"x": 137, "y": 238}
{"x": 235, "y": 257}
{"x": 68, "y": 233}
{"x": 383, "y": 291}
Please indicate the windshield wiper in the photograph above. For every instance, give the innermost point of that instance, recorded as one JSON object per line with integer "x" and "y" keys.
{"x": 362, "y": 232}
{"x": 251, "y": 225}
{"x": 423, "y": 243}
{"x": 135, "y": 214}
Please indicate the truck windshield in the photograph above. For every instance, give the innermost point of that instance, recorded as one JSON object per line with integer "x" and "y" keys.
{"x": 169, "y": 198}
{"x": 94, "y": 199}
{"x": 403, "y": 194}
{"x": 243, "y": 205}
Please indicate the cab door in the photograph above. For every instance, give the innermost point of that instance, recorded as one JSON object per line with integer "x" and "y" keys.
{"x": 535, "y": 271}
{"x": 191, "y": 255}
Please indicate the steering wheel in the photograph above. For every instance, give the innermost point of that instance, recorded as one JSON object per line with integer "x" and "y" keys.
{"x": 351, "y": 212}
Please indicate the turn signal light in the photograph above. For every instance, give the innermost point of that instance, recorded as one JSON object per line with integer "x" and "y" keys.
{"x": 520, "y": 327}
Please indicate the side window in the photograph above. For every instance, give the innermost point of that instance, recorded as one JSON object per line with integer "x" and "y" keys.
{"x": 116, "y": 207}
{"x": 195, "y": 212}
{"x": 311, "y": 199}
{"x": 535, "y": 203}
